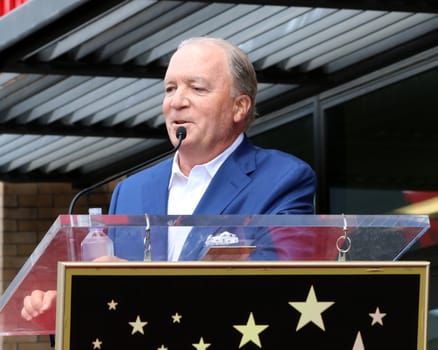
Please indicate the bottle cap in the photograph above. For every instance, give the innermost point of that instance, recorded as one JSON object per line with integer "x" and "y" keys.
{"x": 95, "y": 211}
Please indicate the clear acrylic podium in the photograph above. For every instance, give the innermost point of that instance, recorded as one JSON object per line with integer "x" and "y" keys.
{"x": 257, "y": 238}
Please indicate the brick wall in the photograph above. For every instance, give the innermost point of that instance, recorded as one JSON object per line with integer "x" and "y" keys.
{"x": 27, "y": 211}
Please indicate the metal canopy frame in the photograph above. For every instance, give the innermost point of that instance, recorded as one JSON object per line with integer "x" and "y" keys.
{"x": 80, "y": 81}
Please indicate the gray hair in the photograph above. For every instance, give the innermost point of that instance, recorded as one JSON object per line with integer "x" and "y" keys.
{"x": 241, "y": 68}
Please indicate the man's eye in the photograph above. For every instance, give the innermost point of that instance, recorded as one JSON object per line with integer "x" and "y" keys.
{"x": 169, "y": 89}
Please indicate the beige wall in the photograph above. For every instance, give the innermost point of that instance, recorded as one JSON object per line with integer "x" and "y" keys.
{"x": 27, "y": 211}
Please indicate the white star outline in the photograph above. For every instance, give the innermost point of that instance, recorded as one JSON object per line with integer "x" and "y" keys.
{"x": 377, "y": 317}
{"x": 176, "y": 318}
{"x": 97, "y": 344}
{"x": 358, "y": 342}
{"x": 112, "y": 305}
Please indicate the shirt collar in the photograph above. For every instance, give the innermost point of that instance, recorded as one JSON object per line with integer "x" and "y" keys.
{"x": 212, "y": 166}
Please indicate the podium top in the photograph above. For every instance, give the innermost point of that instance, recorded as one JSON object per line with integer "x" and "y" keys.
{"x": 209, "y": 237}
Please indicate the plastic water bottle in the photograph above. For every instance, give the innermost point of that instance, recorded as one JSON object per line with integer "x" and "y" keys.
{"x": 96, "y": 243}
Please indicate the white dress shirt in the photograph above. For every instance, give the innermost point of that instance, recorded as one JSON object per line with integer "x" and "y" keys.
{"x": 185, "y": 192}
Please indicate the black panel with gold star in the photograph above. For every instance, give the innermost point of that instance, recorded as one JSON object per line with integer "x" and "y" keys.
{"x": 247, "y": 307}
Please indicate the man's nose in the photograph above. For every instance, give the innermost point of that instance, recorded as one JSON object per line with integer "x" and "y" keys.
{"x": 179, "y": 98}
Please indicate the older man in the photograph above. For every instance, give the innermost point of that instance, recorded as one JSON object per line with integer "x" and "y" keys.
{"x": 210, "y": 90}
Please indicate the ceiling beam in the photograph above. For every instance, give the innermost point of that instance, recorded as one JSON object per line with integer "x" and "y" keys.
{"x": 272, "y": 75}
{"x": 87, "y": 11}
{"x": 426, "y": 6}
{"x": 369, "y": 65}
{"x": 96, "y": 130}
{"x": 74, "y": 68}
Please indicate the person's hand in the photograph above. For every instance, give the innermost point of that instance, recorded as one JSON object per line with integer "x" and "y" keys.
{"x": 38, "y": 303}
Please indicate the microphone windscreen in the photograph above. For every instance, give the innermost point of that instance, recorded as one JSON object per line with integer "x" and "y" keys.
{"x": 181, "y": 133}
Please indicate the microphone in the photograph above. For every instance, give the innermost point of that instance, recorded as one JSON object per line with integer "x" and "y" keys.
{"x": 181, "y": 134}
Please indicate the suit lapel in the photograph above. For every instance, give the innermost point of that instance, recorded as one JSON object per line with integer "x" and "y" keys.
{"x": 155, "y": 191}
{"x": 228, "y": 182}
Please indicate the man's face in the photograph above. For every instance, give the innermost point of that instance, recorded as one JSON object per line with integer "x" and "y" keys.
{"x": 199, "y": 96}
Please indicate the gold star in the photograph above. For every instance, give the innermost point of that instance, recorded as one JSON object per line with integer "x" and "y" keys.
{"x": 176, "y": 318}
{"x": 311, "y": 310}
{"x": 201, "y": 345}
{"x": 250, "y": 331}
{"x": 97, "y": 343}
{"x": 137, "y": 326}
{"x": 162, "y": 347}
{"x": 112, "y": 305}
{"x": 377, "y": 317}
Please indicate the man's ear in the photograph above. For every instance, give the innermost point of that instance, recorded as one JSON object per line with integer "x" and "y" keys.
{"x": 242, "y": 104}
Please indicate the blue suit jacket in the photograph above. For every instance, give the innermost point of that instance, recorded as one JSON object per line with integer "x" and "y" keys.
{"x": 251, "y": 181}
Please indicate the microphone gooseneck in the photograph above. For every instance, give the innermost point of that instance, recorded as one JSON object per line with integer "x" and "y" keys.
{"x": 181, "y": 134}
